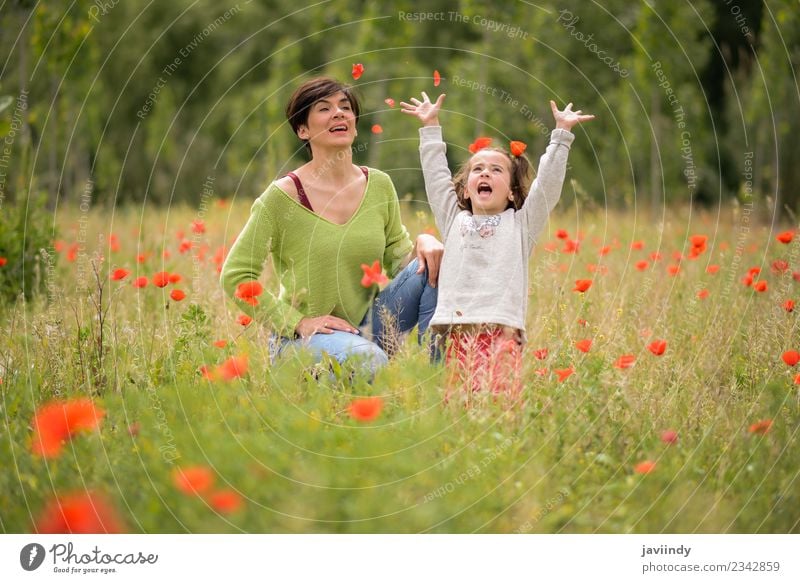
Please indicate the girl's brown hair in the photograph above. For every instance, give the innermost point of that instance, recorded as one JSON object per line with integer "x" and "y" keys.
{"x": 309, "y": 93}
{"x": 521, "y": 173}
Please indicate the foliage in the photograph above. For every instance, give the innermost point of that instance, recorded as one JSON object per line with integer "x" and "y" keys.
{"x": 150, "y": 103}
{"x": 26, "y": 235}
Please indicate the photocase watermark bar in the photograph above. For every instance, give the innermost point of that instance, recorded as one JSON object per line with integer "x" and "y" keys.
{"x": 689, "y": 171}
{"x": 504, "y": 97}
{"x": 568, "y": 20}
{"x": 472, "y": 472}
{"x": 20, "y": 107}
{"x": 101, "y": 8}
{"x": 511, "y": 31}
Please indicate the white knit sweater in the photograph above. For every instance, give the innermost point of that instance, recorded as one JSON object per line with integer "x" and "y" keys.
{"x": 483, "y": 278}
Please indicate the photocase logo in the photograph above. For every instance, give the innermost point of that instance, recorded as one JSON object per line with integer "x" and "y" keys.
{"x": 31, "y": 556}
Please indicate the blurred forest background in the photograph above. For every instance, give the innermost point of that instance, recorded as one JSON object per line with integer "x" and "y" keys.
{"x": 131, "y": 102}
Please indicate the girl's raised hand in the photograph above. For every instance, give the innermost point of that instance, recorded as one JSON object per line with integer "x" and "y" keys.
{"x": 566, "y": 119}
{"x": 427, "y": 112}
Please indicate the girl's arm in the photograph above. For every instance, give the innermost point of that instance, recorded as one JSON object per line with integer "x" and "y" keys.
{"x": 438, "y": 179}
{"x": 546, "y": 188}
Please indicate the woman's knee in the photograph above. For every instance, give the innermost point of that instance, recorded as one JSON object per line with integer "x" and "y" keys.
{"x": 367, "y": 353}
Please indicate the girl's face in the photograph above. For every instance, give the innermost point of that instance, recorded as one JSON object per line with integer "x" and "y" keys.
{"x": 489, "y": 183}
{"x": 331, "y": 123}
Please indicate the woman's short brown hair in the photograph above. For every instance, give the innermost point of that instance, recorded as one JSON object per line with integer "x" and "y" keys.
{"x": 520, "y": 180}
{"x": 309, "y": 93}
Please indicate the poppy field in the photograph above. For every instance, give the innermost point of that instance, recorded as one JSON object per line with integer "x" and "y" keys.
{"x": 661, "y": 391}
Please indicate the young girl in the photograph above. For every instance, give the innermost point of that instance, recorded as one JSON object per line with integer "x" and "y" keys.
{"x": 489, "y": 223}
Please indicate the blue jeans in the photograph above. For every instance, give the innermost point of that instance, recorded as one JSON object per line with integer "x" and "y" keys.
{"x": 406, "y": 302}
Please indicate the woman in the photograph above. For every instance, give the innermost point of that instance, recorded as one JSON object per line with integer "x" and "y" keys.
{"x": 319, "y": 224}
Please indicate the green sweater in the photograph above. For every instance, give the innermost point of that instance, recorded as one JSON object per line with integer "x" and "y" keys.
{"x": 317, "y": 262}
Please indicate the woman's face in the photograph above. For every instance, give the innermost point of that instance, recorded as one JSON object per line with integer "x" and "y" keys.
{"x": 331, "y": 122}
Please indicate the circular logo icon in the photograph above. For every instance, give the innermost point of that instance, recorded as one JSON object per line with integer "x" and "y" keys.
{"x": 31, "y": 556}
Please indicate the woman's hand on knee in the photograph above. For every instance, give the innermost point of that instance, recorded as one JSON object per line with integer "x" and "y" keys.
{"x": 323, "y": 325}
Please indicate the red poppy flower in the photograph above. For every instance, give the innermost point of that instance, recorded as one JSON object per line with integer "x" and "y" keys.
{"x": 517, "y": 148}
{"x": 220, "y": 343}
{"x": 233, "y": 368}
{"x": 797, "y": 379}
{"x": 563, "y": 373}
{"x": 581, "y": 285}
{"x": 248, "y": 289}
{"x": 226, "y": 501}
{"x": 207, "y": 373}
{"x": 133, "y": 429}
{"x": 56, "y": 422}
{"x": 174, "y": 278}
{"x": 541, "y": 353}
{"x": 185, "y": 246}
{"x": 366, "y": 408}
{"x": 571, "y": 246}
{"x": 72, "y": 252}
{"x": 244, "y": 319}
{"x": 673, "y": 269}
{"x": 698, "y": 240}
{"x": 377, "y": 129}
{"x": 779, "y": 266}
{"x": 657, "y": 347}
{"x": 79, "y": 513}
{"x": 177, "y": 295}
{"x": 655, "y": 256}
{"x": 113, "y": 242}
{"x": 479, "y": 144}
{"x": 754, "y": 270}
{"x": 625, "y": 361}
{"x": 791, "y": 357}
{"x": 604, "y": 251}
{"x": 389, "y": 101}
{"x": 582, "y": 322}
{"x": 644, "y": 467}
{"x": 140, "y": 282}
{"x": 161, "y": 279}
{"x": 194, "y": 480}
{"x": 669, "y": 437}
{"x": 562, "y": 234}
{"x": 788, "y": 305}
{"x": 358, "y": 70}
{"x": 796, "y": 275}
{"x": 785, "y": 237}
{"x": 373, "y": 275}
{"x": 198, "y": 226}
{"x": 747, "y": 280}
{"x": 760, "y": 286}
{"x": 702, "y": 294}
{"x": 584, "y": 345}
{"x": 712, "y": 269}
{"x": 120, "y": 274}
{"x": 3, "y": 261}
{"x": 437, "y": 78}
{"x": 637, "y": 245}
{"x": 761, "y": 427}
{"x": 642, "y": 265}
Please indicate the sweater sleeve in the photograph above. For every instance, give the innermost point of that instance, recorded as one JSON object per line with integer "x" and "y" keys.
{"x": 398, "y": 241}
{"x": 546, "y": 188}
{"x": 245, "y": 262}
{"x": 438, "y": 179}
